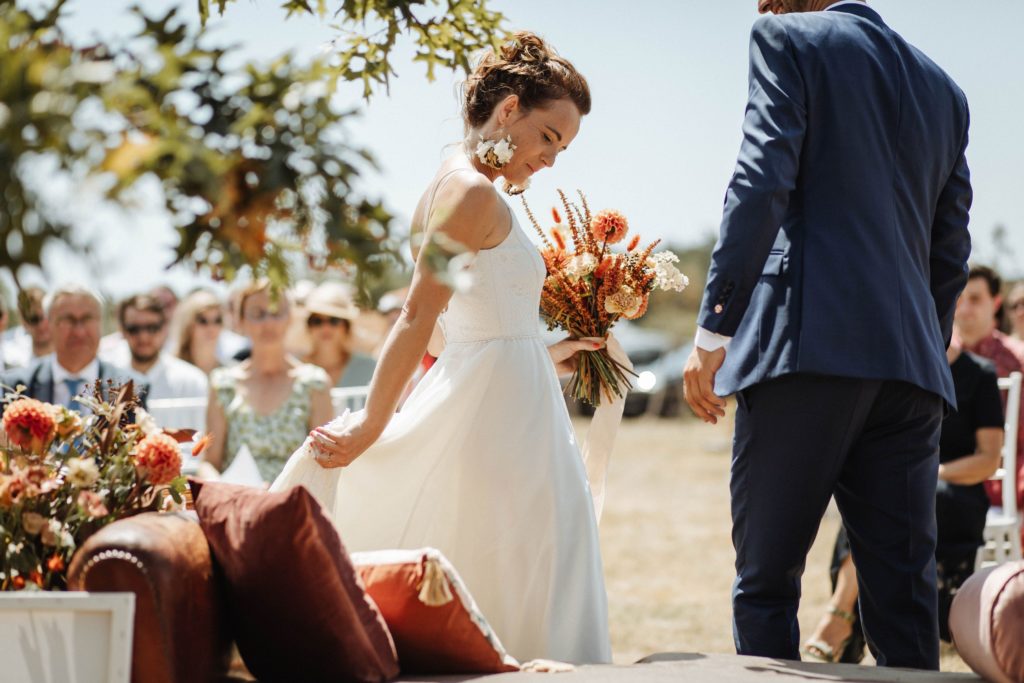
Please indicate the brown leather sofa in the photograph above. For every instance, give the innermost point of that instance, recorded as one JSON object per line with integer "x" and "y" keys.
{"x": 181, "y": 634}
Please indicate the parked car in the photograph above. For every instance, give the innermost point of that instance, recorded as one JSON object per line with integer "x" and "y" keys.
{"x": 657, "y": 388}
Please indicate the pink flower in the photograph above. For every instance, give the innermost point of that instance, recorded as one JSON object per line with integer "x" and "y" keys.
{"x": 92, "y": 503}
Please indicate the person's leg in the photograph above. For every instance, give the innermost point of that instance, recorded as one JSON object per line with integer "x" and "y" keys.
{"x": 960, "y": 514}
{"x": 792, "y": 435}
{"x": 886, "y": 493}
{"x": 834, "y": 633}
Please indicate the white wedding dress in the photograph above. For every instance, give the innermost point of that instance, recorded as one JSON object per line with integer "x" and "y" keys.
{"x": 482, "y": 463}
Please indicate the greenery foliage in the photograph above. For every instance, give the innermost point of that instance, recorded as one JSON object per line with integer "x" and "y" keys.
{"x": 253, "y": 161}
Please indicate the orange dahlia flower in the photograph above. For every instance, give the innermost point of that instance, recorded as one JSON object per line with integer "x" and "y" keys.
{"x": 158, "y": 459}
{"x": 55, "y": 563}
{"x": 609, "y": 226}
{"x": 29, "y": 424}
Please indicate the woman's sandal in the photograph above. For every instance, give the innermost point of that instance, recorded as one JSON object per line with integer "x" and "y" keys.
{"x": 820, "y": 651}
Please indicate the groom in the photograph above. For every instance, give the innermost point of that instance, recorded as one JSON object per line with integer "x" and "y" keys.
{"x": 828, "y": 308}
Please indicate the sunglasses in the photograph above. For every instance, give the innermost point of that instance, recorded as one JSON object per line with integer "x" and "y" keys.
{"x": 135, "y": 330}
{"x": 260, "y": 315}
{"x": 204, "y": 321}
{"x": 318, "y": 320}
{"x": 33, "y": 319}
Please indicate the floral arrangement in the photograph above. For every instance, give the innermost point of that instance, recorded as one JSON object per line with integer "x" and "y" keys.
{"x": 64, "y": 475}
{"x": 589, "y": 287}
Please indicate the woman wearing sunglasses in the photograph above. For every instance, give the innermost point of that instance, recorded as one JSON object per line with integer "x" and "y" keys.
{"x": 331, "y": 315}
{"x": 199, "y": 324}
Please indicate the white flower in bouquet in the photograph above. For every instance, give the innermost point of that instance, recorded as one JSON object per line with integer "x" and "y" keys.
{"x": 666, "y": 275}
{"x": 580, "y": 266}
{"x": 624, "y": 302}
{"x": 83, "y": 472}
{"x": 146, "y": 422}
{"x": 54, "y": 534}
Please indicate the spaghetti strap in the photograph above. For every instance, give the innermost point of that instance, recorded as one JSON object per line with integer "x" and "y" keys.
{"x": 433, "y": 193}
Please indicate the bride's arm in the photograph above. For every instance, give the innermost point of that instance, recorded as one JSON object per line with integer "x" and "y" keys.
{"x": 466, "y": 210}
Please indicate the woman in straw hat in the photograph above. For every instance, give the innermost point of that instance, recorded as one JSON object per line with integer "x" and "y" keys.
{"x": 331, "y": 316}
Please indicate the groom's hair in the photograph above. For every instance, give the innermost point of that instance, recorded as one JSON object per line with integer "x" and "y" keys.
{"x": 990, "y": 276}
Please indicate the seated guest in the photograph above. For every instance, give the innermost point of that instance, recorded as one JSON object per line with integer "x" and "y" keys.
{"x": 144, "y": 326}
{"x": 198, "y": 328}
{"x": 969, "y": 453}
{"x": 330, "y": 314}
{"x": 270, "y": 401}
{"x": 975, "y": 321}
{"x": 74, "y": 314}
{"x": 1015, "y": 311}
{"x": 32, "y": 341}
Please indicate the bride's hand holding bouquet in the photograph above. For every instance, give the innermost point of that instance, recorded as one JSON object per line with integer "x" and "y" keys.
{"x": 589, "y": 287}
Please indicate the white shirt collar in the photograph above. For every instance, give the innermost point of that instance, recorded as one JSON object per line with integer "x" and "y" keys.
{"x": 90, "y": 373}
{"x": 847, "y": 2}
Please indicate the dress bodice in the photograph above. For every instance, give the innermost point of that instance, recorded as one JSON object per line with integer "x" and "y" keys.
{"x": 502, "y": 295}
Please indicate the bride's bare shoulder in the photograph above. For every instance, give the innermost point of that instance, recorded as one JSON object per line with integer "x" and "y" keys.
{"x": 464, "y": 205}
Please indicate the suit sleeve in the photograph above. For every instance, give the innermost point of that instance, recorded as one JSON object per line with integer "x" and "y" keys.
{"x": 951, "y": 241}
{"x": 766, "y": 173}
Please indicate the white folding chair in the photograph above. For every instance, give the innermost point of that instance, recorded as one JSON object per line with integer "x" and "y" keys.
{"x": 1002, "y": 528}
{"x": 352, "y": 398}
{"x": 179, "y": 413}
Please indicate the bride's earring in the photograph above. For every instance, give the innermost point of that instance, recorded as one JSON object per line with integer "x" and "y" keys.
{"x": 513, "y": 190}
{"x": 495, "y": 153}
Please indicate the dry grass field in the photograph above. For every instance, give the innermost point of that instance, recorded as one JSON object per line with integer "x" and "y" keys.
{"x": 667, "y": 551}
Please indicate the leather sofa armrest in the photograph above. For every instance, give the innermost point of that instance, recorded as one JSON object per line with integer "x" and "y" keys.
{"x": 181, "y": 634}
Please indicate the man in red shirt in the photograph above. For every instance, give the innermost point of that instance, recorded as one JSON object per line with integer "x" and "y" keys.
{"x": 975, "y": 323}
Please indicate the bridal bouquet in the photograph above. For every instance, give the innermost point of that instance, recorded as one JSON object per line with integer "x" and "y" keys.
{"x": 590, "y": 286}
{"x": 63, "y": 476}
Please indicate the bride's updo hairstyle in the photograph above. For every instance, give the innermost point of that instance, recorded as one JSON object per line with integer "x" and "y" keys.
{"x": 525, "y": 66}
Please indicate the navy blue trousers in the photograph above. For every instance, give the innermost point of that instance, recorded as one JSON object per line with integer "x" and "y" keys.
{"x": 874, "y": 445}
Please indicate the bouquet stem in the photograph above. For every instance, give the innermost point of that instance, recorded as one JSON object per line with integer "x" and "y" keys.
{"x": 597, "y": 374}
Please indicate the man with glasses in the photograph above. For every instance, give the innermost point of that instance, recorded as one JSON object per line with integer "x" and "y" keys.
{"x": 73, "y": 313}
{"x": 143, "y": 321}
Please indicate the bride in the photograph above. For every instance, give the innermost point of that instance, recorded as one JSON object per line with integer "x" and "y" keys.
{"x": 482, "y": 461}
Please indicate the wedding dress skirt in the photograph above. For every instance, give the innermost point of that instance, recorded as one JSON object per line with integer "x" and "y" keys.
{"x": 482, "y": 463}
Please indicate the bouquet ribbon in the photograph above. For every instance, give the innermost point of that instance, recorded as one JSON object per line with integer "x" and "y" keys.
{"x": 600, "y": 439}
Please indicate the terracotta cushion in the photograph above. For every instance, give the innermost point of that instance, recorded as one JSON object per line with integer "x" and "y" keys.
{"x": 987, "y": 622}
{"x": 296, "y": 606}
{"x": 436, "y": 626}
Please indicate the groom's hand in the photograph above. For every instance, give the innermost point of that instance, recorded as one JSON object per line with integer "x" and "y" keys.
{"x": 699, "y": 384}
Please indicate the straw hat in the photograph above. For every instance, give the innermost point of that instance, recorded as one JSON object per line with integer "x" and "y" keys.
{"x": 332, "y": 299}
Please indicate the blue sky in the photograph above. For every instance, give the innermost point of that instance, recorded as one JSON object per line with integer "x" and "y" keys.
{"x": 669, "y": 85}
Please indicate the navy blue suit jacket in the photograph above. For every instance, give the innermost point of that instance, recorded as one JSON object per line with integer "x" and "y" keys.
{"x": 844, "y": 241}
{"x": 38, "y": 380}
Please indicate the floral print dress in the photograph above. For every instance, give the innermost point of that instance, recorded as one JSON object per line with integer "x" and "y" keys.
{"x": 270, "y": 438}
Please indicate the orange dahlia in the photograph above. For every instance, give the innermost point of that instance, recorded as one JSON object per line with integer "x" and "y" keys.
{"x": 158, "y": 459}
{"x": 55, "y": 563}
{"x": 609, "y": 226}
{"x": 29, "y": 424}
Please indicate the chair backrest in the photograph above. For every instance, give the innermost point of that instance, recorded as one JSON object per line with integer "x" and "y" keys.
{"x": 353, "y": 398}
{"x": 1008, "y": 472}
